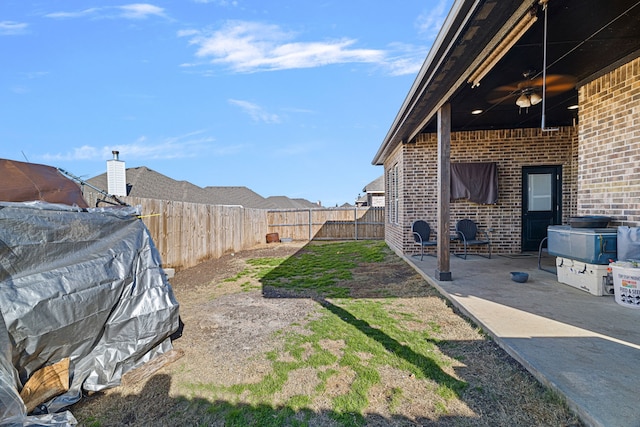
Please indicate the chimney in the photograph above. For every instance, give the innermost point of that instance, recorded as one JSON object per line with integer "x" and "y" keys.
{"x": 116, "y": 176}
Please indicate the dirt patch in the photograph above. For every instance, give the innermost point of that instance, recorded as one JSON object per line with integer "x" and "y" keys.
{"x": 231, "y": 326}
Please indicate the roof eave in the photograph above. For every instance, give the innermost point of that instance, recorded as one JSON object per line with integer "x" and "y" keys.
{"x": 458, "y": 9}
{"x": 443, "y": 72}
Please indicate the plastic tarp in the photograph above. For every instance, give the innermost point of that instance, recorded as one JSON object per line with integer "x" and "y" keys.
{"x": 80, "y": 283}
{"x": 628, "y": 243}
{"x": 25, "y": 182}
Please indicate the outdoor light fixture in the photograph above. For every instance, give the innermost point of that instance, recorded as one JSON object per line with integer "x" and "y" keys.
{"x": 503, "y": 47}
{"x": 528, "y": 98}
{"x": 535, "y": 98}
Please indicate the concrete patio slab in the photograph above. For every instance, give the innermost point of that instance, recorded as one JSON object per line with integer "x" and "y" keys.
{"x": 585, "y": 347}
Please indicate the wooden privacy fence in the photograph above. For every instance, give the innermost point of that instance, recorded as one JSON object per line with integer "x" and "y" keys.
{"x": 328, "y": 223}
{"x": 189, "y": 233}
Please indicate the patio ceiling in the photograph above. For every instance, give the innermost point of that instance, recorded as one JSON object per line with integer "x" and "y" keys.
{"x": 585, "y": 39}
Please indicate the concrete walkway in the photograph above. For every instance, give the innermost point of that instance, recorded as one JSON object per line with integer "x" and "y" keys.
{"x": 585, "y": 347}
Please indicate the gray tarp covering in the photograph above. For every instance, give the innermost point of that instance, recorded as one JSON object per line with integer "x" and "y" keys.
{"x": 628, "y": 243}
{"x": 83, "y": 284}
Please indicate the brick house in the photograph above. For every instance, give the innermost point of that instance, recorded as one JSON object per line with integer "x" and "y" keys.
{"x": 548, "y": 92}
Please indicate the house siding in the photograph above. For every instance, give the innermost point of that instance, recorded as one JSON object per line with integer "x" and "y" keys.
{"x": 609, "y": 146}
{"x": 511, "y": 149}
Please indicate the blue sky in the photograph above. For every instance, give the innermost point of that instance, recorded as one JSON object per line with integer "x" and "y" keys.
{"x": 286, "y": 98}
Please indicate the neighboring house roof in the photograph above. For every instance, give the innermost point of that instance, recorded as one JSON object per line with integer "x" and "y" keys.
{"x": 146, "y": 183}
{"x": 584, "y": 41}
{"x": 375, "y": 186}
{"x": 283, "y": 202}
{"x": 304, "y": 203}
{"x": 238, "y": 196}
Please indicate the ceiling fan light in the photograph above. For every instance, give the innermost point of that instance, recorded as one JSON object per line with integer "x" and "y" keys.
{"x": 523, "y": 101}
{"x": 535, "y": 98}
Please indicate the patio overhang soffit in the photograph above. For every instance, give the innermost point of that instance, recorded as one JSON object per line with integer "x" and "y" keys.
{"x": 489, "y": 53}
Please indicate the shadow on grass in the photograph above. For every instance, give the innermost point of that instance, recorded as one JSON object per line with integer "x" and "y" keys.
{"x": 429, "y": 368}
{"x": 359, "y": 269}
{"x": 154, "y": 405}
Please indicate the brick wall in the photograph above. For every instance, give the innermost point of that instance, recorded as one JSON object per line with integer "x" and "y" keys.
{"x": 511, "y": 150}
{"x": 394, "y": 234}
{"x": 609, "y": 146}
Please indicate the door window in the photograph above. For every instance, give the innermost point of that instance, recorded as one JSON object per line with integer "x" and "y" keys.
{"x": 540, "y": 192}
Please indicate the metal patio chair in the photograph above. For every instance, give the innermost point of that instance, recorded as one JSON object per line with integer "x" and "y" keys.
{"x": 467, "y": 232}
{"x": 421, "y": 235}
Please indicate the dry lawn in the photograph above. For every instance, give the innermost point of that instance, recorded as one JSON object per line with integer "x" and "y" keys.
{"x": 233, "y": 329}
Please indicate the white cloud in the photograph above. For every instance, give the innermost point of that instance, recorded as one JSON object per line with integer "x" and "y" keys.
{"x": 11, "y": 28}
{"x": 257, "y": 113}
{"x": 251, "y": 46}
{"x": 406, "y": 59}
{"x": 140, "y": 10}
{"x": 128, "y": 11}
{"x": 187, "y": 33}
{"x": 85, "y": 152}
{"x": 185, "y": 146}
{"x": 430, "y": 22}
{"x": 36, "y": 74}
{"x": 79, "y": 14}
{"x": 404, "y": 66}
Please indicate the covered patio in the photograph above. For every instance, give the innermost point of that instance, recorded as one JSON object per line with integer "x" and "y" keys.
{"x": 545, "y": 91}
{"x": 585, "y": 347}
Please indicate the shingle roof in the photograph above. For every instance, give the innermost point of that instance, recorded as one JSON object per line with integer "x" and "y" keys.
{"x": 238, "y": 196}
{"x": 146, "y": 183}
{"x": 304, "y": 203}
{"x": 283, "y": 202}
{"x": 375, "y": 186}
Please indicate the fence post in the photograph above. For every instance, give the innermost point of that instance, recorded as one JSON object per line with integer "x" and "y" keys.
{"x": 355, "y": 221}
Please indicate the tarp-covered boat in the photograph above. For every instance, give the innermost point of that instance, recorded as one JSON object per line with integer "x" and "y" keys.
{"x": 26, "y": 182}
{"x": 83, "y": 284}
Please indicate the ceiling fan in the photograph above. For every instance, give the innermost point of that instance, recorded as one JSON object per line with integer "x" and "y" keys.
{"x": 529, "y": 91}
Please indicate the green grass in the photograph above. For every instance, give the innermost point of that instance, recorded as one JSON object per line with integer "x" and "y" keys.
{"x": 323, "y": 268}
{"x": 256, "y": 269}
{"x": 362, "y": 327}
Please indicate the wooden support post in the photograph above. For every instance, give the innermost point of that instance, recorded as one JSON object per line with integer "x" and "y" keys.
{"x": 444, "y": 191}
